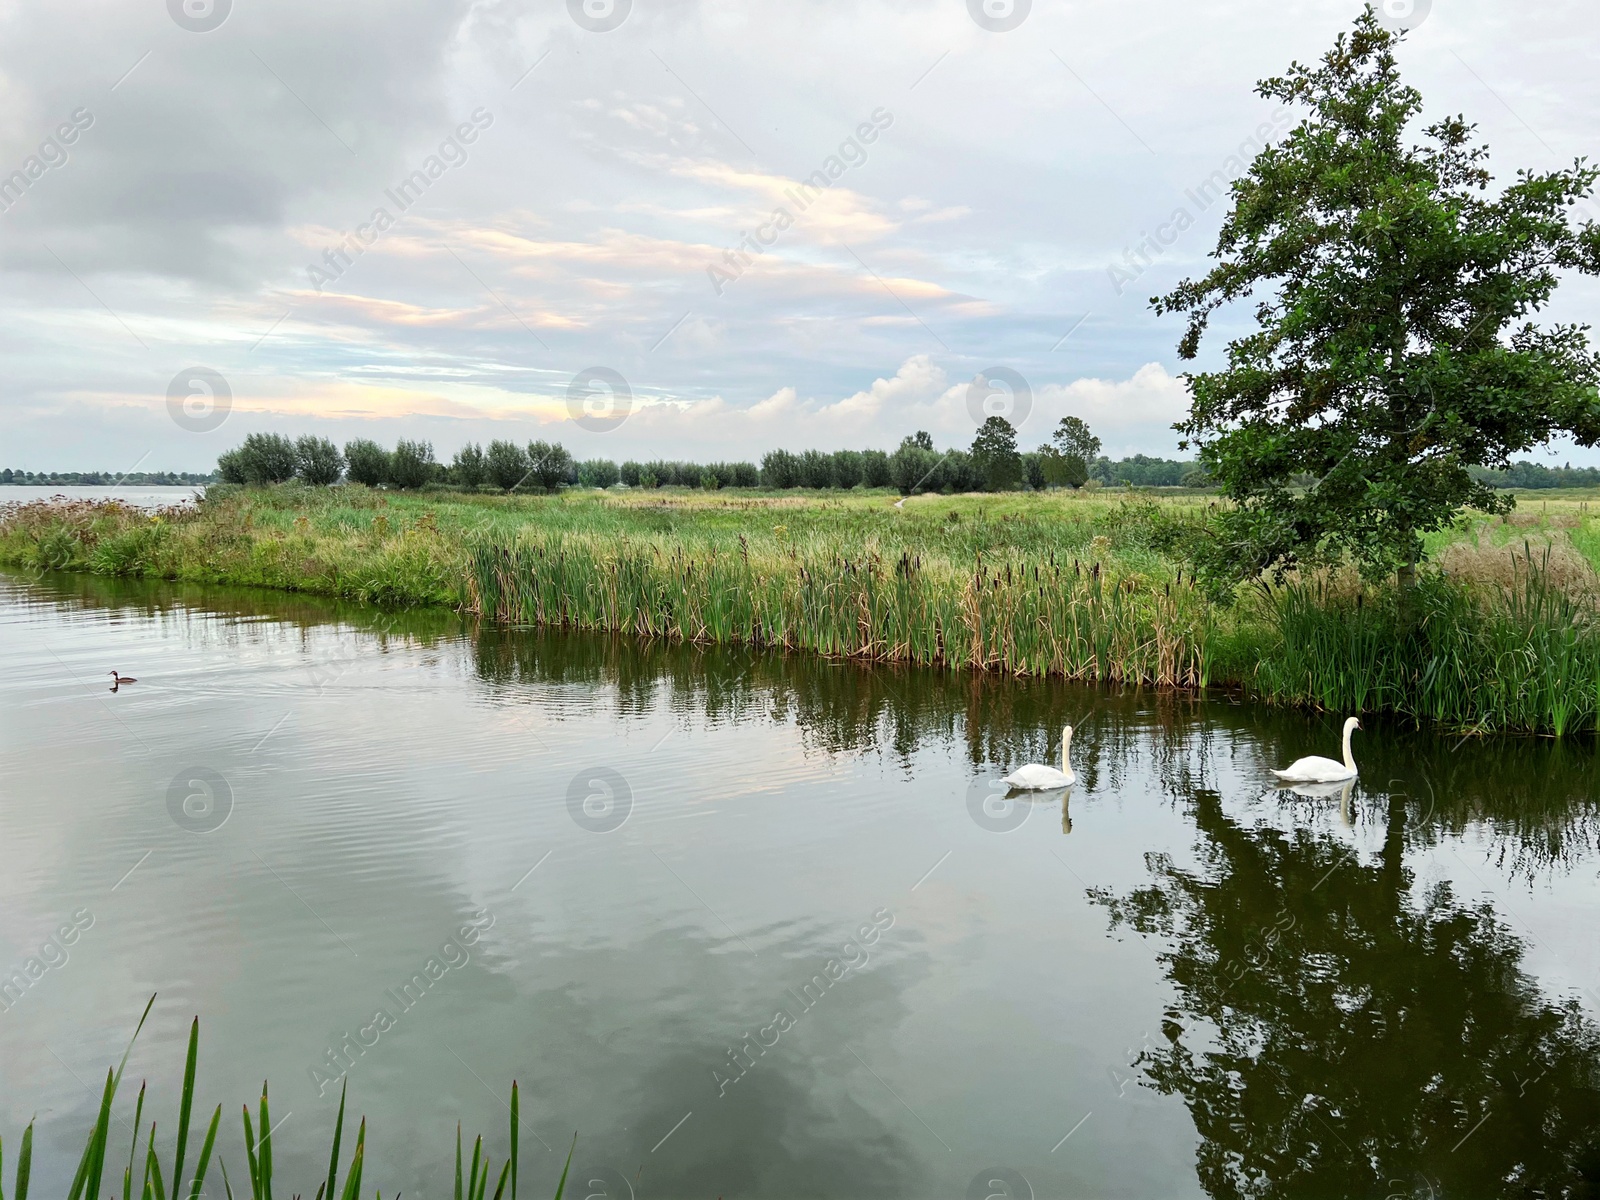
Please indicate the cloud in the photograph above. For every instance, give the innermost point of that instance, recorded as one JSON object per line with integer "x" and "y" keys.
{"x": 578, "y": 230}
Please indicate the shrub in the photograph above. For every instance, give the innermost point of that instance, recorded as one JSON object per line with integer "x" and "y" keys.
{"x": 318, "y": 461}
{"x": 367, "y": 462}
{"x": 629, "y": 473}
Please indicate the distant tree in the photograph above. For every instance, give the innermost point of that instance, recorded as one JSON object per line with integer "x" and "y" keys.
{"x": 921, "y": 439}
{"x": 470, "y": 468}
{"x": 318, "y": 461}
{"x": 780, "y": 469}
{"x": 1072, "y": 437}
{"x": 847, "y": 468}
{"x": 548, "y": 464}
{"x": 367, "y": 462}
{"x": 411, "y": 465}
{"x": 914, "y": 466}
{"x": 506, "y": 464}
{"x": 648, "y": 478}
{"x": 230, "y": 468}
{"x": 629, "y": 471}
{"x": 597, "y": 473}
{"x": 816, "y": 469}
{"x": 1393, "y": 351}
{"x": 995, "y": 460}
{"x": 958, "y": 472}
{"x": 1062, "y": 470}
{"x": 263, "y": 458}
{"x": 1033, "y": 469}
{"x": 875, "y": 472}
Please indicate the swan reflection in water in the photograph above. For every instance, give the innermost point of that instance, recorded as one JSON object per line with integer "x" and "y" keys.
{"x": 1326, "y": 791}
{"x": 1039, "y": 799}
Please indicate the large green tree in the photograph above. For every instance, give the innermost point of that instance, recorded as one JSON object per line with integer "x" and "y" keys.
{"x": 1392, "y": 348}
{"x": 995, "y": 457}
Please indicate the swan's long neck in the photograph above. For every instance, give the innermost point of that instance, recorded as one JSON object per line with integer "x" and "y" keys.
{"x": 1066, "y": 741}
{"x": 1349, "y": 760}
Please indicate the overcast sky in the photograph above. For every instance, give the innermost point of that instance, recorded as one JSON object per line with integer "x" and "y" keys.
{"x": 582, "y": 177}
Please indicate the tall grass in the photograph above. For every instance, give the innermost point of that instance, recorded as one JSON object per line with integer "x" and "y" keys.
{"x": 1049, "y": 617}
{"x": 1524, "y": 657}
{"x": 153, "y": 1184}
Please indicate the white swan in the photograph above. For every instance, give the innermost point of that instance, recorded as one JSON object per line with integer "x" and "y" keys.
{"x": 1316, "y": 769}
{"x": 1038, "y": 778}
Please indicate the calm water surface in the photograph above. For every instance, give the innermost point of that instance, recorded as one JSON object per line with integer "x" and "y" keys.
{"x": 756, "y": 927}
{"x": 137, "y": 494}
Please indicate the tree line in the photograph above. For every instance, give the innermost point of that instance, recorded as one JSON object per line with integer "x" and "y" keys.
{"x": 1525, "y": 474}
{"x": 992, "y": 463}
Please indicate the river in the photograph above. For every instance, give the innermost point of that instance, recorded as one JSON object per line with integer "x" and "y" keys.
{"x": 763, "y": 927}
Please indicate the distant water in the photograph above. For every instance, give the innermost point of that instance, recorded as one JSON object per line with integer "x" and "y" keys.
{"x": 138, "y": 495}
{"x": 760, "y": 926}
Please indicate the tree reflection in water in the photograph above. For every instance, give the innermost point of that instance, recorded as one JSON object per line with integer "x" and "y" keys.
{"x": 1335, "y": 1034}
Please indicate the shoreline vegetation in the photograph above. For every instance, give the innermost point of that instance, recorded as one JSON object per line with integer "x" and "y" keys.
{"x": 145, "y": 1172}
{"x": 1499, "y": 635}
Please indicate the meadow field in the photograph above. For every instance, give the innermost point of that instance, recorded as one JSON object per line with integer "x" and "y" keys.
{"x": 1097, "y": 585}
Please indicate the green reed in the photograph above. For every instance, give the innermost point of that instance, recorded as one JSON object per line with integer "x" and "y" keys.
{"x": 1046, "y": 617}
{"x": 153, "y": 1184}
{"x": 1524, "y": 657}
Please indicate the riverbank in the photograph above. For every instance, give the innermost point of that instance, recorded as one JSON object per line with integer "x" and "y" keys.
{"x": 1084, "y": 586}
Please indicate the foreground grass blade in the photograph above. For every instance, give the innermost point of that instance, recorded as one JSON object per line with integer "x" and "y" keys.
{"x": 25, "y": 1162}
{"x": 562, "y": 1186}
{"x": 266, "y": 1146}
{"x": 250, "y": 1156}
{"x": 352, "y": 1185}
{"x": 133, "y": 1144}
{"x": 154, "y": 1184}
{"x": 205, "y": 1157}
{"x": 185, "y": 1108}
{"x": 500, "y": 1188}
{"x": 516, "y": 1108}
{"x": 92, "y": 1165}
{"x": 333, "y": 1158}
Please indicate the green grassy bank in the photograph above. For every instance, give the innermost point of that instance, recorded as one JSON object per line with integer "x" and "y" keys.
{"x": 1501, "y": 635}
